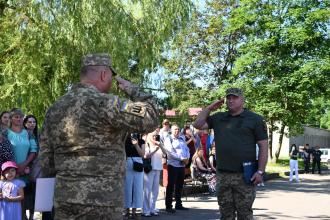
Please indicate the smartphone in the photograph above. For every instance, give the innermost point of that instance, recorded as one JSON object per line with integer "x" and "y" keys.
{"x": 157, "y": 138}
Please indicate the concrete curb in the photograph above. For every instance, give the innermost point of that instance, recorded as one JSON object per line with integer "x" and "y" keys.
{"x": 287, "y": 173}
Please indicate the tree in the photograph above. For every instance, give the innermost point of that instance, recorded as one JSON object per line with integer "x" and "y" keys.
{"x": 285, "y": 56}
{"x": 42, "y": 43}
{"x": 279, "y": 56}
{"x": 319, "y": 114}
{"x": 203, "y": 53}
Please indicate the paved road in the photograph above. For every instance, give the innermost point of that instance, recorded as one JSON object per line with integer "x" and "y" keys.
{"x": 279, "y": 199}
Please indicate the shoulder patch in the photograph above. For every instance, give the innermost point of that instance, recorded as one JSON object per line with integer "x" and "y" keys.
{"x": 137, "y": 109}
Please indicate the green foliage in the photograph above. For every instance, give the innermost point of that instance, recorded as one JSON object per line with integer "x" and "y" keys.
{"x": 277, "y": 51}
{"x": 286, "y": 56}
{"x": 319, "y": 115}
{"x": 204, "y": 53}
{"x": 42, "y": 43}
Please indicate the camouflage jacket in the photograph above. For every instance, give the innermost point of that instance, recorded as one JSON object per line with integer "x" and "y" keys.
{"x": 82, "y": 143}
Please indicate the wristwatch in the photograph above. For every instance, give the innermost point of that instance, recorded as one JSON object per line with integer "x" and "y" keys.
{"x": 260, "y": 172}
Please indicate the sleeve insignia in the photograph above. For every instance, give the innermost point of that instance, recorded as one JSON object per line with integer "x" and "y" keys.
{"x": 133, "y": 109}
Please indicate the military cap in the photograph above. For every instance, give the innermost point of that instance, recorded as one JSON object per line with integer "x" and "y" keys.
{"x": 16, "y": 111}
{"x": 234, "y": 91}
{"x": 98, "y": 59}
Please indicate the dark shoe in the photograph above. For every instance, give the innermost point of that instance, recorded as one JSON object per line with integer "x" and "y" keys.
{"x": 181, "y": 208}
{"x": 170, "y": 210}
{"x": 135, "y": 216}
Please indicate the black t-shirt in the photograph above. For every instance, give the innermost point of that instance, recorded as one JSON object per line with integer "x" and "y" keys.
{"x": 317, "y": 155}
{"x": 294, "y": 155}
{"x": 236, "y": 138}
{"x": 130, "y": 149}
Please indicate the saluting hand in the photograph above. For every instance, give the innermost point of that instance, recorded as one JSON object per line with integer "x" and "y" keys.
{"x": 215, "y": 105}
{"x": 123, "y": 83}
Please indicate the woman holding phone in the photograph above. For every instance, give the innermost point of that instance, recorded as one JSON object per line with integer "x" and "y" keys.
{"x": 154, "y": 151}
{"x": 294, "y": 162}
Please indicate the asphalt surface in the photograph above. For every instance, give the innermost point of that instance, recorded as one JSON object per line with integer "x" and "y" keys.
{"x": 278, "y": 199}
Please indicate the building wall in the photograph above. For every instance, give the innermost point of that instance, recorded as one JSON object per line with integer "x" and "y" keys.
{"x": 312, "y": 136}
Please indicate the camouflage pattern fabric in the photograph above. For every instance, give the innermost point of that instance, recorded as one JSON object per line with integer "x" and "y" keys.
{"x": 83, "y": 212}
{"x": 234, "y": 91}
{"x": 100, "y": 59}
{"x": 82, "y": 144}
{"x": 234, "y": 196}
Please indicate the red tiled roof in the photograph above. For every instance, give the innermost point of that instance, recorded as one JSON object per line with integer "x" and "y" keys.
{"x": 194, "y": 111}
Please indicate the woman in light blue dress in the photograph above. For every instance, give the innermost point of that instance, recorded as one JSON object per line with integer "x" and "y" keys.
{"x": 25, "y": 149}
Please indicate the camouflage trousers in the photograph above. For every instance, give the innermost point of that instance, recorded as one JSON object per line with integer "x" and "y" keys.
{"x": 68, "y": 211}
{"x": 234, "y": 196}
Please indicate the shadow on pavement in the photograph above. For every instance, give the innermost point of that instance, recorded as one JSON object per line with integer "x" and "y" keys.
{"x": 306, "y": 185}
{"x": 272, "y": 215}
{"x": 192, "y": 213}
{"x": 277, "y": 215}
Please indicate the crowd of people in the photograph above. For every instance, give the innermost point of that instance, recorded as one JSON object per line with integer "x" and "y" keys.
{"x": 165, "y": 147}
{"x": 19, "y": 149}
{"x": 81, "y": 146}
{"x": 173, "y": 152}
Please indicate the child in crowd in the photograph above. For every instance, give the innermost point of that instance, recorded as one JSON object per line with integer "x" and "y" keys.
{"x": 12, "y": 192}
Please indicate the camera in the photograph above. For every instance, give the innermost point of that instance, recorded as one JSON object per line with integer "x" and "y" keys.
{"x": 135, "y": 136}
{"x": 157, "y": 137}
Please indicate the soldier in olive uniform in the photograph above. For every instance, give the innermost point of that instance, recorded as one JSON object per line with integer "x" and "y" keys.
{"x": 236, "y": 134}
{"x": 82, "y": 141}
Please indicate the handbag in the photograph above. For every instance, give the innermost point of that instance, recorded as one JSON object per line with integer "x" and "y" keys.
{"x": 147, "y": 167}
{"x": 138, "y": 167}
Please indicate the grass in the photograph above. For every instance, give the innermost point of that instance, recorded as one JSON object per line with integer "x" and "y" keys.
{"x": 282, "y": 166}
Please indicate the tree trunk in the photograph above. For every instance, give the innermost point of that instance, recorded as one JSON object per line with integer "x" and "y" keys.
{"x": 270, "y": 139}
{"x": 280, "y": 140}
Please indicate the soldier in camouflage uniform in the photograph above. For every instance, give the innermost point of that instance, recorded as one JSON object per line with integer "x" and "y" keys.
{"x": 82, "y": 141}
{"x": 236, "y": 134}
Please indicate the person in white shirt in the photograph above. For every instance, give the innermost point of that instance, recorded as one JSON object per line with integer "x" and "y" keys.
{"x": 155, "y": 151}
{"x": 163, "y": 133}
{"x": 177, "y": 157}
